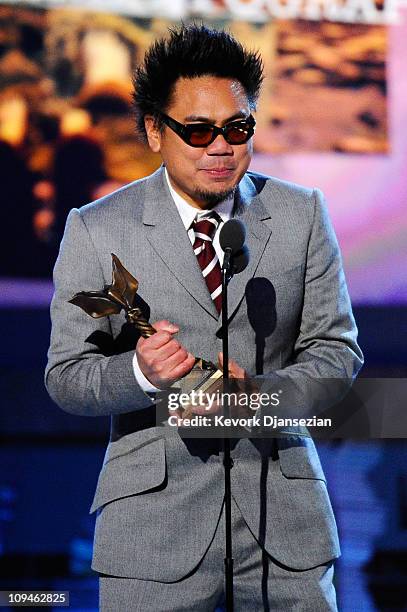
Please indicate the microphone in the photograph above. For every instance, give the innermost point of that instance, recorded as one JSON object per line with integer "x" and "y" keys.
{"x": 232, "y": 236}
{"x": 231, "y": 239}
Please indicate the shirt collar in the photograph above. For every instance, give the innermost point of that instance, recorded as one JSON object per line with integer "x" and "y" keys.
{"x": 188, "y": 213}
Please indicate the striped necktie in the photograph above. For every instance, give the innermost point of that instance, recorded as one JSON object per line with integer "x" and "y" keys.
{"x": 204, "y": 230}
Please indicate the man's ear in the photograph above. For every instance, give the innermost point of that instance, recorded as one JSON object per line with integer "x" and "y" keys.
{"x": 153, "y": 133}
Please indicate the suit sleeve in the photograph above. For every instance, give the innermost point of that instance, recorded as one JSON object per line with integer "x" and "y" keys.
{"x": 326, "y": 357}
{"x": 327, "y": 341}
{"x": 79, "y": 377}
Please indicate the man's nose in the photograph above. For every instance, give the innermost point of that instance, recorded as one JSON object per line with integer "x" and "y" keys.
{"x": 219, "y": 146}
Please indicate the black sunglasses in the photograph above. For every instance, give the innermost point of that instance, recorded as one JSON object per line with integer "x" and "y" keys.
{"x": 203, "y": 134}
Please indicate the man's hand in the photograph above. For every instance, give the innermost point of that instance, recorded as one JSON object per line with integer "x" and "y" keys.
{"x": 235, "y": 372}
{"x": 161, "y": 358}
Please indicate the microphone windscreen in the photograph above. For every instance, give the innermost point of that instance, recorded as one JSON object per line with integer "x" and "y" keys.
{"x": 240, "y": 260}
{"x": 232, "y": 235}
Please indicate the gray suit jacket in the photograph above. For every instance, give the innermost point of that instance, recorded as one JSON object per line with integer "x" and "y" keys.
{"x": 159, "y": 497}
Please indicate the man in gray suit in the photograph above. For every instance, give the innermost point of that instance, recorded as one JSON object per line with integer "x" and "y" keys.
{"x": 159, "y": 499}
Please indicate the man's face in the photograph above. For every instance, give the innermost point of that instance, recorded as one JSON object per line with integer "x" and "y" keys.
{"x": 203, "y": 176}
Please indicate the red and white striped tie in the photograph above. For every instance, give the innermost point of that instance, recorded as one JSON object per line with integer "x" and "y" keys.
{"x": 204, "y": 230}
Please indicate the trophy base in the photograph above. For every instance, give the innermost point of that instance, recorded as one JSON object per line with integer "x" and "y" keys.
{"x": 204, "y": 377}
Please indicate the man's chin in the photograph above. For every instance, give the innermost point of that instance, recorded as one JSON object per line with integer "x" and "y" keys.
{"x": 209, "y": 199}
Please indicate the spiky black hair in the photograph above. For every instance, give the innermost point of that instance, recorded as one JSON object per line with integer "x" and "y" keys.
{"x": 191, "y": 51}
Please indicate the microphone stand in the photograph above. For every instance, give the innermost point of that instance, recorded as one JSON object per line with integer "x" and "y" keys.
{"x": 227, "y": 460}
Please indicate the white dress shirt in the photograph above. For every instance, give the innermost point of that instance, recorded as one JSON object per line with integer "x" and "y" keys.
{"x": 188, "y": 215}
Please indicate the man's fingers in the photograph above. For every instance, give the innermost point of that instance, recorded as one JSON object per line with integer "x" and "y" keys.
{"x": 183, "y": 367}
{"x": 164, "y": 352}
{"x": 161, "y": 358}
{"x": 175, "y": 359}
{"x": 167, "y": 326}
{"x": 207, "y": 410}
{"x": 156, "y": 341}
{"x": 235, "y": 371}
{"x": 165, "y": 330}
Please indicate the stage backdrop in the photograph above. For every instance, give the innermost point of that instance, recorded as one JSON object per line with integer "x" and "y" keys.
{"x": 65, "y": 113}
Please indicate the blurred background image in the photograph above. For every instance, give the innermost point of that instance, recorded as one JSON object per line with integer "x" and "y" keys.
{"x": 333, "y": 114}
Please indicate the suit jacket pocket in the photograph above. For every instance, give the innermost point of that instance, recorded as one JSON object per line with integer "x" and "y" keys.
{"x": 136, "y": 471}
{"x": 299, "y": 458}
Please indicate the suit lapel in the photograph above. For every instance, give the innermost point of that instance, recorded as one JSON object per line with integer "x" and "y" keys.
{"x": 166, "y": 234}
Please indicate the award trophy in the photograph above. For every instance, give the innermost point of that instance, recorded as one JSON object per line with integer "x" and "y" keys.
{"x": 120, "y": 295}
